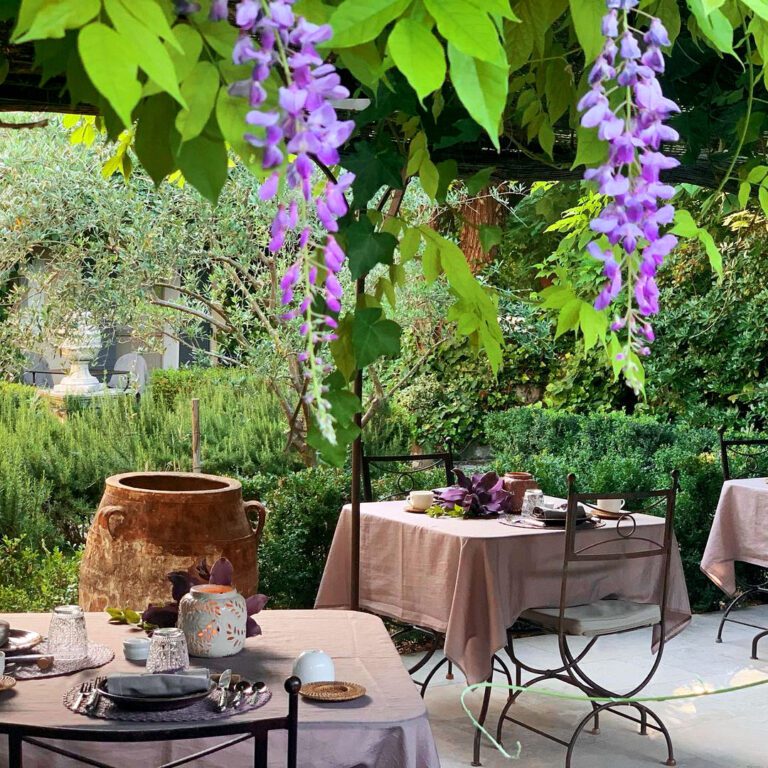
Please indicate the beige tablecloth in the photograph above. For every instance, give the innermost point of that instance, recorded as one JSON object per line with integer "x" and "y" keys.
{"x": 739, "y": 531}
{"x": 471, "y": 579}
{"x": 386, "y": 729}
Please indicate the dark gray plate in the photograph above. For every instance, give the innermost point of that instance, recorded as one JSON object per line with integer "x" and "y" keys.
{"x": 153, "y": 703}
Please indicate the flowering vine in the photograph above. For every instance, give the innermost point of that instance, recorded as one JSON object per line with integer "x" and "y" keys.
{"x": 295, "y": 132}
{"x": 626, "y": 104}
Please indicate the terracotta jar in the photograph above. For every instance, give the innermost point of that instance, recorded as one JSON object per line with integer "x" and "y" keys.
{"x": 517, "y": 483}
{"x": 150, "y": 523}
{"x": 212, "y": 618}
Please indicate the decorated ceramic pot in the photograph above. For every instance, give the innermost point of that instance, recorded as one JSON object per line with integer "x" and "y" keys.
{"x": 213, "y": 618}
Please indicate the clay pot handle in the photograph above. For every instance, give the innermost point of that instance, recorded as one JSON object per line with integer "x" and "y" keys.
{"x": 113, "y": 526}
{"x": 261, "y": 514}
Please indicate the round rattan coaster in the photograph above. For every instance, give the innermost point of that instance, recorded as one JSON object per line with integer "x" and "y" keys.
{"x": 409, "y": 508}
{"x": 332, "y": 691}
{"x": 6, "y": 682}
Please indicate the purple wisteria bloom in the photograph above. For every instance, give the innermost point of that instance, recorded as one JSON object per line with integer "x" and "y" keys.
{"x": 633, "y": 123}
{"x": 295, "y": 132}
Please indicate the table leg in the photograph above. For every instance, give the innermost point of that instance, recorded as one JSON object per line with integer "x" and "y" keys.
{"x": 14, "y": 750}
{"x": 481, "y": 720}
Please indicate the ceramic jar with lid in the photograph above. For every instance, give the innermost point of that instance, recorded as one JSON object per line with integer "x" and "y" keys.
{"x": 213, "y": 619}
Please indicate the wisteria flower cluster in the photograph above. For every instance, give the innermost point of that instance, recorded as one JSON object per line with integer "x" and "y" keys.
{"x": 296, "y": 132}
{"x": 626, "y": 104}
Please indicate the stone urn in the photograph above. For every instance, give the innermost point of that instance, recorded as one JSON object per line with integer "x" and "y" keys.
{"x": 516, "y": 484}
{"x": 79, "y": 348}
{"x": 212, "y": 618}
{"x": 151, "y": 523}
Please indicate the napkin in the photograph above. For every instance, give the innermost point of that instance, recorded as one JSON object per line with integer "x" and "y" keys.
{"x": 557, "y": 513}
{"x": 191, "y": 681}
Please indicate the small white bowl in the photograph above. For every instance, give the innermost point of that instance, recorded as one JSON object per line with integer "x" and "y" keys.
{"x": 314, "y": 666}
{"x": 136, "y": 648}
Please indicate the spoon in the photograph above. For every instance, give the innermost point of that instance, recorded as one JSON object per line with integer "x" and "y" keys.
{"x": 224, "y": 680}
{"x": 240, "y": 689}
{"x": 256, "y": 689}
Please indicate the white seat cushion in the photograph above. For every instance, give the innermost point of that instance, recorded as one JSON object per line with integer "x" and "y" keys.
{"x": 602, "y": 617}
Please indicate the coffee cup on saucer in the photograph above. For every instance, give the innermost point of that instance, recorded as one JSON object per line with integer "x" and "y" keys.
{"x": 609, "y": 507}
{"x": 2, "y": 663}
{"x": 421, "y": 500}
{"x": 5, "y": 629}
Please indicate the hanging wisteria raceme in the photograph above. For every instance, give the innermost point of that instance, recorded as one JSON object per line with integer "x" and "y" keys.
{"x": 626, "y": 105}
{"x": 295, "y": 131}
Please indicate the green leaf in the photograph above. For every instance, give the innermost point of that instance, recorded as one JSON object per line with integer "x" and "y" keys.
{"x": 110, "y": 64}
{"x": 151, "y": 15}
{"x": 52, "y": 18}
{"x": 116, "y": 613}
{"x": 757, "y": 174}
{"x": 684, "y": 225}
{"x": 418, "y": 54}
{"x": 490, "y": 236}
{"x": 230, "y": 115}
{"x": 448, "y": 170}
{"x": 344, "y": 406}
{"x": 758, "y": 7}
{"x": 556, "y": 296}
{"x": 364, "y": 62}
{"x": 429, "y": 177}
{"x": 712, "y": 251}
{"x": 373, "y": 169}
{"x": 590, "y": 151}
{"x": 430, "y": 262}
{"x": 357, "y": 21}
{"x": 480, "y": 180}
{"x": 132, "y": 617}
{"x": 547, "y": 137}
{"x": 152, "y": 56}
{"x": 199, "y": 90}
{"x": 341, "y": 349}
{"x": 587, "y": 16}
{"x": 220, "y": 37}
{"x": 744, "y": 191}
{"x": 594, "y": 325}
{"x": 373, "y": 336}
{"x": 482, "y": 88}
{"x": 366, "y": 248}
{"x": 714, "y": 26}
{"x": 568, "y": 318}
{"x": 191, "y": 45}
{"x": 467, "y": 27}
{"x": 559, "y": 89}
{"x": 409, "y": 244}
{"x": 203, "y": 161}
{"x": 153, "y": 144}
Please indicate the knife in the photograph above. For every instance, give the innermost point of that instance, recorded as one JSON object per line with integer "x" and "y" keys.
{"x": 43, "y": 662}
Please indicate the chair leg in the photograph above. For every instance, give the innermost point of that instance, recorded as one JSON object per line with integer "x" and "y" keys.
{"x": 449, "y": 673}
{"x": 755, "y": 640}
{"x": 14, "y": 751}
{"x": 481, "y": 720}
{"x": 736, "y": 600}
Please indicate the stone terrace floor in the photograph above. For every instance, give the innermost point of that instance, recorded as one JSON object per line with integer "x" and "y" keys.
{"x": 711, "y": 732}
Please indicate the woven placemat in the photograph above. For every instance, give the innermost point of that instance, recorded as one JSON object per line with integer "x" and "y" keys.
{"x": 98, "y": 656}
{"x": 205, "y": 709}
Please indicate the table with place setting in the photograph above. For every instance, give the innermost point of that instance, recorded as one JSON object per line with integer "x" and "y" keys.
{"x": 368, "y": 717}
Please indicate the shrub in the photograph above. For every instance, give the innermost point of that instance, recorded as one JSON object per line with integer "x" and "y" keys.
{"x": 615, "y": 453}
{"x": 35, "y": 578}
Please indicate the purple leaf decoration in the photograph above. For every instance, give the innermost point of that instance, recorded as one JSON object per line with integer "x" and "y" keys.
{"x": 221, "y": 572}
{"x": 255, "y": 603}
{"x": 161, "y": 615}
{"x": 480, "y": 496}
{"x": 181, "y": 584}
{"x": 203, "y": 571}
{"x": 252, "y": 629}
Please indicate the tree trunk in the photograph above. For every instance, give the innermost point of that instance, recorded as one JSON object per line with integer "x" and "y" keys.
{"x": 474, "y": 212}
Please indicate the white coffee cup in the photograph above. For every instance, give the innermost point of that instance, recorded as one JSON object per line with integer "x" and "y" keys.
{"x": 612, "y": 506}
{"x": 2, "y": 662}
{"x": 421, "y": 499}
{"x": 314, "y": 666}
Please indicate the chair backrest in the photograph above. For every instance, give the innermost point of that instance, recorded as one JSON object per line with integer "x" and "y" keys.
{"x": 405, "y": 468}
{"x": 627, "y": 541}
{"x": 133, "y": 372}
{"x": 752, "y": 453}
{"x": 258, "y": 730}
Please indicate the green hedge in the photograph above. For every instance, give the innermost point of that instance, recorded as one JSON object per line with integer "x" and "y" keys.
{"x": 618, "y": 453}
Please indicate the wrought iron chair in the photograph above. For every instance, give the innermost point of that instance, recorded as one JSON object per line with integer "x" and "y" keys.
{"x": 258, "y": 730}
{"x": 603, "y": 617}
{"x": 749, "y": 451}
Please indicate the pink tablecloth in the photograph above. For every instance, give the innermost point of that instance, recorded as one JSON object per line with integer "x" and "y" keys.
{"x": 739, "y": 531}
{"x": 386, "y": 729}
{"x": 471, "y": 579}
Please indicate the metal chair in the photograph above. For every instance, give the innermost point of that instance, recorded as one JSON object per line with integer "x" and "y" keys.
{"x": 258, "y": 730}
{"x": 603, "y": 617}
{"x": 743, "y": 448}
{"x": 406, "y": 475}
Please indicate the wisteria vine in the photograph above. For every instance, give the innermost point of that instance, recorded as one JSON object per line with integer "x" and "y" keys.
{"x": 626, "y": 104}
{"x": 295, "y": 133}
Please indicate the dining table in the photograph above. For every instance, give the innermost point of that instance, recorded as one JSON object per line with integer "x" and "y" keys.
{"x": 386, "y": 728}
{"x": 470, "y": 579}
{"x": 739, "y": 531}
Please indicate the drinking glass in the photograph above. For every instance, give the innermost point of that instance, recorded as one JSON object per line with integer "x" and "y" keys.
{"x": 67, "y": 635}
{"x": 168, "y": 651}
{"x": 533, "y": 498}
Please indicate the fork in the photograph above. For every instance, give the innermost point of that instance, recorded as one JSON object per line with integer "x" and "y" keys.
{"x": 85, "y": 689}
{"x": 93, "y": 698}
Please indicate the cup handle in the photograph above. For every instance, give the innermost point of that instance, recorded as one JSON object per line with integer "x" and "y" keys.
{"x": 111, "y": 523}
{"x": 623, "y": 502}
{"x": 261, "y": 515}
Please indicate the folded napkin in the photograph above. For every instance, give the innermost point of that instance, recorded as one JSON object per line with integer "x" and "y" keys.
{"x": 557, "y": 513}
{"x": 190, "y": 681}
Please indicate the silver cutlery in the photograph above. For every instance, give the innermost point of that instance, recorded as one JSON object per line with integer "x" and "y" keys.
{"x": 256, "y": 689}
{"x": 225, "y": 678}
{"x": 93, "y": 698}
{"x": 85, "y": 689}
